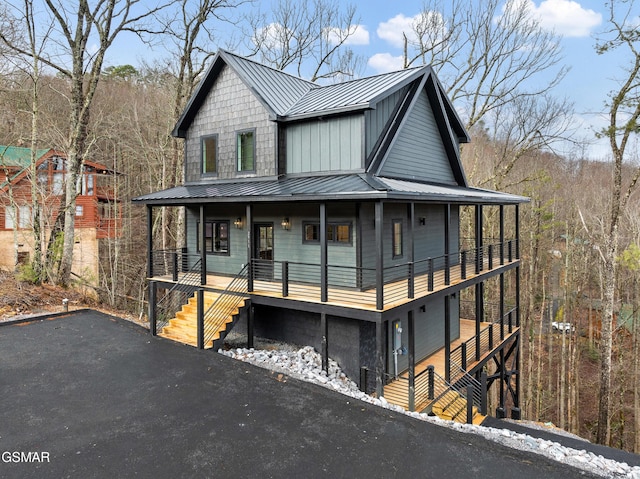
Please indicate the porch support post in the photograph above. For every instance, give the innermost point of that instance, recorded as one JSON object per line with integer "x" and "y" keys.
{"x": 515, "y": 410}
{"x": 250, "y": 324}
{"x": 323, "y": 254}
{"x": 379, "y": 222}
{"x": 517, "y": 219}
{"x": 379, "y": 360}
{"x": 479, "y": 242}
{"x": 412, "y": 360}
{"x": 153, "y": 289}
{"x": 501, "y": 306}
{"x": 479, "y": 315}
{"x": 324, "y": 331}
{"x": 203, "y": 253}
{"x": 250, "y": 248}
{"x": 200, "y": 317}
{"x": 447, "y": 250}
{"x": 411, "y": 253}
{"x": 447, "y": 338}
{"x": 149, "y": 241}
{"x": 500, "y": 413}
{"x": 501, "y": 234}
{"x": 518, "y": 296}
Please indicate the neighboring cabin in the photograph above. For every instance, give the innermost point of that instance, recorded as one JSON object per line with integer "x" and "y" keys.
{"x": 97, "y": 216}
{"x": 331, "y": 216}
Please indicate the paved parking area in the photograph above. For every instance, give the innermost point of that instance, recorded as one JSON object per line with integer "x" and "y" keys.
{"x": 104, "y": 399}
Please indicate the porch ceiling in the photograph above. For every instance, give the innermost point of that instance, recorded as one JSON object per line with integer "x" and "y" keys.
{"x": 354, "y": 187}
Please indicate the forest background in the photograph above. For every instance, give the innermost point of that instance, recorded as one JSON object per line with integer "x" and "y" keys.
{"x": 579, "y": 235}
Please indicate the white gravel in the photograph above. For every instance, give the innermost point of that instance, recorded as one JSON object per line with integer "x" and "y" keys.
{"x": 306, "y": 364}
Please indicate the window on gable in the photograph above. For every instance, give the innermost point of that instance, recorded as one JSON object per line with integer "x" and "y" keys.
{"x": 246, "y": 150}
{"x": 209, "y": 147}
{"x": 397, "y": 238}
{"x": 337, "y": 233}
{"x": 216, "y": 237}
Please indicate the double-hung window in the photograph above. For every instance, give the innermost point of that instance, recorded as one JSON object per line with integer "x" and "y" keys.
{"x": 246, "y": 150}
{"x": 337, "y": 232}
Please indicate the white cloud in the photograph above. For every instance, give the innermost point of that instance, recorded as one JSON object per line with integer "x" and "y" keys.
{"x": 359, "y": 35}
{"x": 566, "y": 17}
{"x": 392, "y": 30}
{"x": 385, "y": 62}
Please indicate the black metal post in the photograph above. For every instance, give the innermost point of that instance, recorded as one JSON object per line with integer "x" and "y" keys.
{"x": 364, "y": 378}
{"x": 483, "y": 393}
{"x": 175, "y": 266}
{"x": 501, "y": 306}
{"x": 379, "y": 227}
{"x": 203, "y": 252}
{"x": 200, "y": 315}
{"x": 463, "y": 352}
{"x": 285, "y": 279}
{"x": 491, "y": 336}
{"x": 479, "y": 292}
{"x": 518, "y": 296}
{"x": 149, "y": 242}
{"x": 515, "y": 411}
{"x": 501, "y": 234}
{"x": 447, "y": 338}
{"x": 431, "y": 378}
{"x": 324, "y": 329}
{"x": 324, "y": 285}
{"x": 250, "y": 321}
{"x": 379, "y": 360}
{"x": 430, "y": 280}
{"x": 479, "y": 241}
{"x": 463, "y": 264}
{"x": 490, "y": 256}
{"x": 500, "y": 413}
{"x": 153, "y": 288}
{"x": 412, "y": 360}
{"x": 412, "y": 278}
{"x": 517, "y": 213}
{"x": 447, "y": 241}
{"x": 469, "y": 403}
{"x": 250, "y": 249}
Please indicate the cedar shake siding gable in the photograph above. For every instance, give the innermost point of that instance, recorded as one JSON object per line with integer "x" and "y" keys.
{"x": 220, "y": 115}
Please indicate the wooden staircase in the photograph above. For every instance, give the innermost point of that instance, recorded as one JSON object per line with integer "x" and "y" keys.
{"x": 184, "y": 327}
{"x": 453, "y": 407}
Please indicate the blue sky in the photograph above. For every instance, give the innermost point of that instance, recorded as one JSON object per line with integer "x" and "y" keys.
{"x": 576, "y": 21}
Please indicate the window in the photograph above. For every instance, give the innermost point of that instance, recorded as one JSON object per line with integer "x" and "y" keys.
{"x": 337, "y": 233}
{"x": 79, "y": 210}
{"x": 246, "y": 151}
{"x": 9, "y": 217}
{"x": 209, "y": 147}
{"x": 58, "y": 184}
{"x": 87, "y": 184}
{"x": 397, "y": 238}
{"x": 24, "y": 216}
{"x": 216, "y": 237}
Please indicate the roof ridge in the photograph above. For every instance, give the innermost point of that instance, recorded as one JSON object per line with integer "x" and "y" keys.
{"x": 269, "y": 67}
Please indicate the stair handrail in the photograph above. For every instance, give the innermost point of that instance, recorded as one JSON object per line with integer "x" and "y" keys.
{"x": 186, "y": 284}
{"x": 464, "y": 379}
{"x": 235, "y": 292}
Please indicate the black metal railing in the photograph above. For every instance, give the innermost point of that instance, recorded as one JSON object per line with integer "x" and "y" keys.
{"x": 174, "y": 298}
{"x": 399, "y": 282}
{"x": 224, "y": 306}
{"x": 172, "y": 262}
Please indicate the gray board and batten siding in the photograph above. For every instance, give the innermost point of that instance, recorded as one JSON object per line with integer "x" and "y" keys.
{"x": 418, "y": 152}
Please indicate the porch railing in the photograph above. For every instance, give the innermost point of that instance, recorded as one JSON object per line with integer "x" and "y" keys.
{"x": 172, "y": 262}
{"x": 399, "y": 281}
{"x": 174, "y": 298}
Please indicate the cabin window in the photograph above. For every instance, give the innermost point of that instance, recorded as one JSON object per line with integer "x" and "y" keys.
{"x": 24, "y": 216}
{"x": 209, "y": 147}
{"x": 337, "y": 232}
{"x": 9, "y": 217}
{"x": 79, "y": 210}
{"x": 58, "y": 184}
{"x": 87, "y": 185}
{"x": 246, "y": 150}
{"x": 216, "y": 237}
{"x": 397, "y": 238}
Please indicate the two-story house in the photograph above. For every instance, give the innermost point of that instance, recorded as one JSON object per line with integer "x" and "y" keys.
{"x": 340, "y": 216}
{"x": 97, "y": 216}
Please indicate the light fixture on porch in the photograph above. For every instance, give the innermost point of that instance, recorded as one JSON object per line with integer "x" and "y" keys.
{"x": 286, "y": 225}
{"x": 238, "y": 223}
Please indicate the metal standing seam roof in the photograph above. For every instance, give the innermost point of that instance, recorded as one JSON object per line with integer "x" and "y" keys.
{"x": 354, "y": 93}
{"x": 348, "y": 186}
{"x": 18, "y": 157}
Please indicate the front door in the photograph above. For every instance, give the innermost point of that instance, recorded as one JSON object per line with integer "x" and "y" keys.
{"x": 263, "y": 250}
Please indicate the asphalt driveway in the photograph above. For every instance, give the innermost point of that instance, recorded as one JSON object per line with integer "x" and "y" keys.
{"x": 102, "y": 398}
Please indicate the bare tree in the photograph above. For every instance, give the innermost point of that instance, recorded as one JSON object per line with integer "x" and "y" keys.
{"x": 74, "y": 29}
{"x": 624, "y": 112}
{"x": 310, "y": 37}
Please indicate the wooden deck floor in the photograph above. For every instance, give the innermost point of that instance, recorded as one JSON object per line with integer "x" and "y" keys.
{"x": 395, "y": 293}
